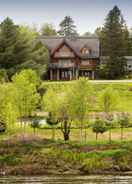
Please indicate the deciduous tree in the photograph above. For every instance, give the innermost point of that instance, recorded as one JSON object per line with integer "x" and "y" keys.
{"x": 27, "y": 97}
{"x": 48, "y": 30}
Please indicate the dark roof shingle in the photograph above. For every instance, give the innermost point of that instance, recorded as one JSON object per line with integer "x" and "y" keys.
{"x": 75, "y": 43}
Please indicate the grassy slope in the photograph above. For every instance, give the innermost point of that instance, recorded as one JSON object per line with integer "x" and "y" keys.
{"x": 124, "y": 89}
{"x": 42, "y": 156}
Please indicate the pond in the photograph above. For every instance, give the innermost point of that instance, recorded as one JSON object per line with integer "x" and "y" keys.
{"x": 67, "y": 180}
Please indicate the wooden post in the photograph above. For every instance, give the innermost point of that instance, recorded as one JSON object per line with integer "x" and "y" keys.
{"x": 51, "y": 74}
{"x": 58, "y": 75}
{"x": 73, "y": 73}
{"x": 70, "y": 75}
{"x": 92, "y": 75}
{"x": 77, "y": 73}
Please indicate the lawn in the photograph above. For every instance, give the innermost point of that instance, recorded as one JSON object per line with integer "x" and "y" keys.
{"x": 46, "y": 133}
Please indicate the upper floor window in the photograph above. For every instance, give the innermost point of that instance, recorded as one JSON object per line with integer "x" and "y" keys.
{"x": 85, "y": 50}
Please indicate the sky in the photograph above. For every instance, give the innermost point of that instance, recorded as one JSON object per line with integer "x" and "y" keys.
{"x": 87, "y": 14}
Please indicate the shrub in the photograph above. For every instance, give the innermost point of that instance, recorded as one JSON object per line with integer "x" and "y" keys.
{"x": 3, "y": 76}
{"x": 2, "y": 126}
{"x": 99, "y": 126}
{"x": 9, "y": 160}
{"x": 124, "y": 123}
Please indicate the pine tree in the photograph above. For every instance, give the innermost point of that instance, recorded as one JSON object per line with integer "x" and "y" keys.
{"x": 20, "y": 50}
{"x": 67, "y": 27}
{"x": 13, "y": 49}
{"x": 114, "y": 44}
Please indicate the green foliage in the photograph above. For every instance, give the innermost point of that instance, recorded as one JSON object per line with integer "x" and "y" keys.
{"x": 2, "y": 126}
{"x": 102, "y": 71}
{"x": 108, "y": 99}
{"x": 124, "y": 120}
{"x": 20, "y": 50}
{"x": 114, "y": 31}
{"x": 48, "y": 30}
{"x": 29, "y": 76}
{"x": 13, "y": 49}
{"x": 67, "y": 27}
{"x": 51, "y": 120}
{"x": 10, "y": 160}
{"x": 8, "y": 107}
{"x": 51, "y": 102}
{"x": 27, "y": 96}
{"x": 79, "y": 99}
{"x": 99, "y": 126}
{"x": 3, "y": 76}
{"x": 39, "y": 58}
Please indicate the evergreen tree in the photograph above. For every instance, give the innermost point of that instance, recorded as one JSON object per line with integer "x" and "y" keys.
{"x": 38, "y": 55}
{"x": 114, "y": 44}
{"x": 13, "y": 49}
{"x": 20, "y": 50}
{"x": 128, "y": 41}
{"x": 67, "y": 27}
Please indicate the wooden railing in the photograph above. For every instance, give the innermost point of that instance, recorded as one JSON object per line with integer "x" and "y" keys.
{"x": 61, "y": 65}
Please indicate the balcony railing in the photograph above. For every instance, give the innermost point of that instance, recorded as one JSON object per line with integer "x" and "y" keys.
{"x": 61, "y": 65}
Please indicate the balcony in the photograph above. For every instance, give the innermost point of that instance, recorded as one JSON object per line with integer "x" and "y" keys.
{"x": 62, "y": 64}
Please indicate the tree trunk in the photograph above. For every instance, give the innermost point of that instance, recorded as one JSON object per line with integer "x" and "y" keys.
{"x": 85, "y": 134}
{"x": 81, "y": 132}
{"x": 96, "y": 136}
{"x": 66, "y": 137}
{"x": 53, "y": 132}
{"x": 34, "y": 131}
{"x": 121, "y": 133}
{"x": 110, "y": 135}
{"x": 65, "y": 127}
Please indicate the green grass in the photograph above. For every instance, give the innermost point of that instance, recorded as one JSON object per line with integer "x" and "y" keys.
{"x": 16, "y": 130}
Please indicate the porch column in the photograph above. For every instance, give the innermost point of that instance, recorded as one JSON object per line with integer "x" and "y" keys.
{"x": 93, "y": 76}
{"x": 77, "y": 72}
{"x": 51, "y": 74}
{"x": 70, "y": 73}
{"x": 58, "y": 75}
{"x": 73, "y": 73}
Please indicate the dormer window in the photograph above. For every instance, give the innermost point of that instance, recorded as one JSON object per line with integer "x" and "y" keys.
{"x": 85, "y": 50}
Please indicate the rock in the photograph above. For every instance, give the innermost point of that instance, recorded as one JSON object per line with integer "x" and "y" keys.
{"x": 116, "y": 167}
{"x": 73, "y": 172}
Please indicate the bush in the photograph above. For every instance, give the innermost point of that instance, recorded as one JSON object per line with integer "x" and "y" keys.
{"x": 9, "y": 160}
{"x": 3, "y": 76}
{"x": 99, "y": 126}
{"x": 2, "y": 126}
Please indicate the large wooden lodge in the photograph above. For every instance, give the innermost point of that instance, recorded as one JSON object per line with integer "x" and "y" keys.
{"x": 71, "y": 58}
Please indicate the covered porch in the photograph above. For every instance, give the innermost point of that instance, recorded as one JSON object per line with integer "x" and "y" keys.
{"x": 87, "y": 73}
{"x": 63, "y": 74}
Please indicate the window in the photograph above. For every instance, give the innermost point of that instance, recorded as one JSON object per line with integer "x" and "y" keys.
{"x": 85, "y": 50}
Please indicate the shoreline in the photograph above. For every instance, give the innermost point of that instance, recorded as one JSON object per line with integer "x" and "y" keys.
{"x": 47, "y": 157}
{"x": 57, "y": 175}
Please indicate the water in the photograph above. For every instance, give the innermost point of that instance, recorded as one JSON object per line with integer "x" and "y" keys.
{"x": 67, "y": 180}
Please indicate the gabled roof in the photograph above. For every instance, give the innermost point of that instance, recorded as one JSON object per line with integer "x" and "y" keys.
{"x": 75, "y": 44}
{"x": 64, "y": 42}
